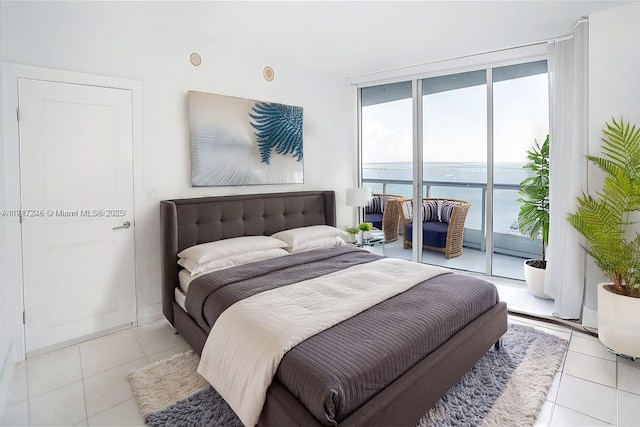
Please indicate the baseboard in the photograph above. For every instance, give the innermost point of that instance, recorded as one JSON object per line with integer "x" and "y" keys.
{"x": 589, "y": 318}
{"x": 8, "y": 363}
{"x": 150, "y": 314}
{"x": 78, "y": 340}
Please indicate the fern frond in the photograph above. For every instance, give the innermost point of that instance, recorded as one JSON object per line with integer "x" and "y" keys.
{"x": 278, "y": 127}
{"x": 604, "y": 221}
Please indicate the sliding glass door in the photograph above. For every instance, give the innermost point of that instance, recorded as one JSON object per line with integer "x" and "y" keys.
{"x": 454, "y": 123}
{"x": 471, "y": 131}
{"x": 387, "y": 139}
{"x": 521, "y": 117}
{"x": 387, "y": 147}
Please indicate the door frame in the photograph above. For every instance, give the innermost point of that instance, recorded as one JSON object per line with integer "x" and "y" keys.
{"x": 11, "y": 177}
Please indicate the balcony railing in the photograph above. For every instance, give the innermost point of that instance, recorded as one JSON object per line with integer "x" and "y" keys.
{"x": 508, "y": 242}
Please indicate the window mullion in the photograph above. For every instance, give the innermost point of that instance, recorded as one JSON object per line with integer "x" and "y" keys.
{"x": 416, "y": 93}
{"x": 489, "y": 192}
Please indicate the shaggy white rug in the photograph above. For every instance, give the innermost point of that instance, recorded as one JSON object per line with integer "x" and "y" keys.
{"x": 163, "y": 383}
{"x": 505, "y": 388}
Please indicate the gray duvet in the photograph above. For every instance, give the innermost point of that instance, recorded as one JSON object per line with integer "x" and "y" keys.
{"x": 336, "y": 371}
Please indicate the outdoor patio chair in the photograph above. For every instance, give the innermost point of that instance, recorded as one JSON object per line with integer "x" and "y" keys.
{"x": 384, "y": 215}
{"x": 442, "y": 226}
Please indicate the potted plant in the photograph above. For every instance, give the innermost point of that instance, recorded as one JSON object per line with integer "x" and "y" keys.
{"x": 365, "y": 227}
{"x": 533, "y": 218}
{"x": 351, "y": 232}
{"x": 608, "y": 222}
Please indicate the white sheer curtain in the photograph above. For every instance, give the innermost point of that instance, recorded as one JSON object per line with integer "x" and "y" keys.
{"x": 568, "y": 75}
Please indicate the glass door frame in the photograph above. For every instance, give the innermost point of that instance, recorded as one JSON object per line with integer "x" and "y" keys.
{"x": 418, "y": 147}
{"x": 418, "y": 166}
{"x": 487, "y": 217}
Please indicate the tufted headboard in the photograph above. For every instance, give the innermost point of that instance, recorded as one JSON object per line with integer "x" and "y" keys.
{"x": 188, "y": 222}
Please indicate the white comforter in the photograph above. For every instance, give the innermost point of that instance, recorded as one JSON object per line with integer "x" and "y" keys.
{"x": 247, "y": 342}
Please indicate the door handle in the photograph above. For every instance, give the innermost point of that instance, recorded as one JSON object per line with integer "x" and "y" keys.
{"x": 126, "y": 224}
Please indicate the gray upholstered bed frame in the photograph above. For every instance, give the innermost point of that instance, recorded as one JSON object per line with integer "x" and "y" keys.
{"x": 187, "y": 222}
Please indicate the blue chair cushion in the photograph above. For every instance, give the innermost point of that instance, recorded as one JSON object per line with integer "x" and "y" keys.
{"x": 375, "y": 219}
{"x": 433, "y": 233}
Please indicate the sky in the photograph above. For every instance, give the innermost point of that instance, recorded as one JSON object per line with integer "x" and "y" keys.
{"x": 455, "y": 127}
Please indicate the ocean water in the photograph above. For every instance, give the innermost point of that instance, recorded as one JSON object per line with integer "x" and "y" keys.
{"x": 471, "y": 175}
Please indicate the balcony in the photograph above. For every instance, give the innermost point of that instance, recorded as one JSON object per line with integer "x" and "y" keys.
{"x": 510, "y": 247}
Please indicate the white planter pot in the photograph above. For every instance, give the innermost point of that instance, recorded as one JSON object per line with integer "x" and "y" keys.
{"x": 619, "y": 322}
{"x": 535, "y": 281}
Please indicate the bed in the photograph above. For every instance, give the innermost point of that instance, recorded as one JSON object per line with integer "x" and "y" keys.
{"x": 417, "y": 384}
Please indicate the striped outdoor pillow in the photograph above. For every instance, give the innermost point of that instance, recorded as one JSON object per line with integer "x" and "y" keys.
{"x": 429, "y": 211}
{"x": 447, "y": 211}
{"x": 374, "y": 205}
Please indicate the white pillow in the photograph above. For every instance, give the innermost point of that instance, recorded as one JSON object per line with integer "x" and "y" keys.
{"x": 296, "y": 236}
{"x": 230, "y": 261}
{"x": 323, "y": 242}
{"x": 205, "y": 252}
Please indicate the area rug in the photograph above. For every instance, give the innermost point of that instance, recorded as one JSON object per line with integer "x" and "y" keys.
{"x": 505, "y": 388}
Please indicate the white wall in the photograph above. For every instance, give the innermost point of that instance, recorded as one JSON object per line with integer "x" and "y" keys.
{"x": 7, "y": 315}
{"x": 614, "y": 91}
{"x": 110, "y": 39}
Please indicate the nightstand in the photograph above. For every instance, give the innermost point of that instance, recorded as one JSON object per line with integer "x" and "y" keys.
{"x": 375, "y": 240}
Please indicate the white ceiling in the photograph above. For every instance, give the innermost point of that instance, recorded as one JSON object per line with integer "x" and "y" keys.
{"x": 350, "y": 38}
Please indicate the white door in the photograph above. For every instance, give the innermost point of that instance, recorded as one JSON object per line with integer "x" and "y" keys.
{"x": 76, "y": 172}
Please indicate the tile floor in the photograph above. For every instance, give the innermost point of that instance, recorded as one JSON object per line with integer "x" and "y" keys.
{"x": 518, "y": 298}
{"x": 509, "y": 278}
{"x": 86, "y": 384}
{"x": 471, "y": 260}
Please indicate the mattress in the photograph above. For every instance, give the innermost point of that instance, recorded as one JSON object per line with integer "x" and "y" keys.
{"x": 185, "y": 278}
{"x": 334, "y": 372}
{"x": 181, "y": 297}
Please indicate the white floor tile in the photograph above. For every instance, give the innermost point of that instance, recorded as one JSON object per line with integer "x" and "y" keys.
{"x": 565, "y": 335}
{"x": 590, "y": 368}
{"x": 157, "y": 337}
{"x": 125, "y": 414}
{"x": 16, "y": 414}
{"x": 552, "y": 394}
{"x": 53, "y": 370}
{"x": 575, "y": 397}
{"x": 109, "y": 388}
{"x": 564, "y": 417}
{"x": 18, "y": 388}
{"x": 61, "y": 407}
{"x": 628, "y": 404}
{"x": 471, "y": 260}
{"x": 595, "y": 400}
{"x": 544, "y": 417}
{"x": 520, "y": 300}
{"x": 591, "y": 346}
{"x": 168, "y": 353}
{"x": 631, "y": 363}
{"x": 628, "y": 378}
{"x": 108, "y": 352}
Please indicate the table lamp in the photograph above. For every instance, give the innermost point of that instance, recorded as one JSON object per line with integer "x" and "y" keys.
{"x": 359, "y": 197}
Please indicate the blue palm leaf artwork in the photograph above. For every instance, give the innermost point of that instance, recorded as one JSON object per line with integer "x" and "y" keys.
{"x": 237, "y": 141}
{"x": 278, "y": 128}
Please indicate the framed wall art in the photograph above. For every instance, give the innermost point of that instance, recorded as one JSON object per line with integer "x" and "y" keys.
{"x": 236, "y": 141}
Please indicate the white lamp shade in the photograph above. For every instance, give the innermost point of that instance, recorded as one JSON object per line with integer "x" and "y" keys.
{"x": 358, "y": 196}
